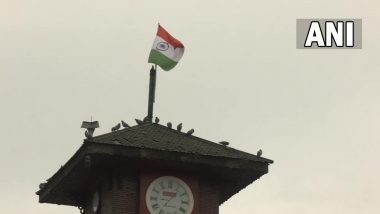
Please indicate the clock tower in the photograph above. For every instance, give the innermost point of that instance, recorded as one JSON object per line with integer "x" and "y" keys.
{"x": 151, "y": 169}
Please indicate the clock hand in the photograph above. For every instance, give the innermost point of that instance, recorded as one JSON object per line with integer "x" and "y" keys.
{"x": 169, "y": 200}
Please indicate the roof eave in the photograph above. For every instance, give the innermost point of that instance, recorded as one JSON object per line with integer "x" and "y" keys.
{"x": 49, "y": 193}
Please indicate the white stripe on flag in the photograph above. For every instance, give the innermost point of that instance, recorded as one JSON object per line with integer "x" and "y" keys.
{"x": 174, "y": 54}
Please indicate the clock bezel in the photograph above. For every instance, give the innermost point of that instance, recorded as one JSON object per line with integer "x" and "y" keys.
{"x": 158, "y": 180}
{"x": 148, "y": 176}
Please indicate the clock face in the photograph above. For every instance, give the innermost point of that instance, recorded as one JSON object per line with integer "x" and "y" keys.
{"x": 169, "y": 195}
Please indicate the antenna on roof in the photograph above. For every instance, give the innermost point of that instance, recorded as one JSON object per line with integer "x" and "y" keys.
{"x": 90, "y": 126}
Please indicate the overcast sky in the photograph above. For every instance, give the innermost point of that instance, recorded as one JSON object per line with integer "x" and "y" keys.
{"x": 316, "y": 113}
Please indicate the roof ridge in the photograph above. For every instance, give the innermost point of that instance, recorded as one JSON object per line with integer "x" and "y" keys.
{"x": 120, "y": 131}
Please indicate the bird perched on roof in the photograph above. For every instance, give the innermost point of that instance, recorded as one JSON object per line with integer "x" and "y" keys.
{"x": 259, "y": 153}
{"x": 169, "y": 124}
{"x": 157, "y": 120}
{"x": 115, "y": 128}
{"x": 87, "y": 134}
{"x": 179, "y": 127}
{"x": 139, "y": 122}
{"x": 224, "y": 143}
{"x": 190, "y": 132}
{"x": 124, "y": 124}
{"x": 146, "y": 119}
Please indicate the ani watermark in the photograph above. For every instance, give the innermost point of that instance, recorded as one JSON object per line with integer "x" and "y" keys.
{"x": 329, "y": 33}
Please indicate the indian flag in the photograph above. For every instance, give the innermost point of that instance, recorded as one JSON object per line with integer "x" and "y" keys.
{"x": 166, "y": 50}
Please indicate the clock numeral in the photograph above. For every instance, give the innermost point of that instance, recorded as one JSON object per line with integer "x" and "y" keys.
{"x": 161, "y": 212}
{"x": 162, "y": 185}
{"x": 181, "y": 189}
{"x": 185, "y": 202}
{"x": 182, "y": 209}
{"x": 170, "y": 184}
{"x": 156, "y": 191}
{"x": 153, "y": 198}
{"x": 155, "y": 206}
{"x": 183, "y": 194}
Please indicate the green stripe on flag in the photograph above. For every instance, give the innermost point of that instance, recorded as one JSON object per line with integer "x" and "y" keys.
{"x": 163, "y": 61}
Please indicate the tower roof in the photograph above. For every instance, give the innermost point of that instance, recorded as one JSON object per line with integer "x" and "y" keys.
{"x": 151, "y": 145}
{"x": 158, "y": 137}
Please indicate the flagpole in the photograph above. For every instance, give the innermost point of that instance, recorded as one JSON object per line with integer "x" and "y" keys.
{"x": 152, "y": 91}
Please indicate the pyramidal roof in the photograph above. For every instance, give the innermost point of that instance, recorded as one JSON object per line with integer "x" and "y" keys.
{"x": 158, "y": 137}
{"x": 149, "y": 146}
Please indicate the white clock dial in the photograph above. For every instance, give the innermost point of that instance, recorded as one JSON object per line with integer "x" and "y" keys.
{"x": 169, "y": 195}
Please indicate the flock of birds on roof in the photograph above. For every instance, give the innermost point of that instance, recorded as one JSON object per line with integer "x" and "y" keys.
{"x": 91, "y": 127}
{"x": 169, "y": 125}
{"x": 141, "y": 122}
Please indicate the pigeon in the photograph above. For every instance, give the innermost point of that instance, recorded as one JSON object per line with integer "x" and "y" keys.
{"x": 190, "y": 132}
{"x": 139, "y": 122}
{"x": 146, "y": 119}
{"x": 115, "y": 128}
{"x": 124, "y": 124}
{"x": 259, "y": 153}
{"x": 157, "y": 120}
{"x": 87, "y": 134}
{"x": 224, "y": 143}
{"x": 169, "y": 124}
{"x": 179, "y": 127}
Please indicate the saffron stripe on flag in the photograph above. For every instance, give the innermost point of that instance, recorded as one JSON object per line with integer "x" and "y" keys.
{"x": 168, "y": 38}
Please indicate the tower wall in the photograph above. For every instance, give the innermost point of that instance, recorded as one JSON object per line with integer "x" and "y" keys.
{"x": 208, "y": 197}
{"x": 118, "y": 194}
{"x": 125, "y": 195}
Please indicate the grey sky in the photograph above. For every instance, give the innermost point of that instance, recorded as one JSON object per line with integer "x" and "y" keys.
{"x": 316, "y": 113}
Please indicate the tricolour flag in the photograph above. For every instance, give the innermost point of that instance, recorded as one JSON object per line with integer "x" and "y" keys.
{"x": 166, "y": 50}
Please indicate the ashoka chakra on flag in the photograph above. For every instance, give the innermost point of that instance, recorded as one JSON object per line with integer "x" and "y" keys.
{"x": 166, "y": 50}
